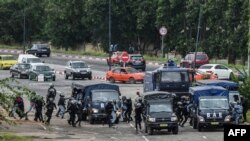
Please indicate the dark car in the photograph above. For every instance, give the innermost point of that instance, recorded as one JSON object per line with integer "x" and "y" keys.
{"x": 39, "y": 50}
{"x": 159, "y": 113}
{"x": 42, "y": 70}
{"x": 136, "y": 61}
{"x": 20, "y": 70}
{"x": 188, "y": 61}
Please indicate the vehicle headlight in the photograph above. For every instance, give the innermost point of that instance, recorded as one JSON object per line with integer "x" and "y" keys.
{"x": 151, "y": 119}
{"x": 227, "y": 118}
{"x": 201, "y": 119}
{"x": 94, "y": 110}
{"x": 173, "y": 117}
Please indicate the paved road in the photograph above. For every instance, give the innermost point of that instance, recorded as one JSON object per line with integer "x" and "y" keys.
{"x": 59, "y": 129}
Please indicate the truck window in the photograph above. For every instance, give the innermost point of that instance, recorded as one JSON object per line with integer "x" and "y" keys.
{"x": 174, "y": 77}
{"x": 214, "y": 104}
{"x": 156, "y": 108}
{"x": 105, "y": 96}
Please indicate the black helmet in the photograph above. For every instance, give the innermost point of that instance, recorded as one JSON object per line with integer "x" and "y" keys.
{"x": 52, "y": 86}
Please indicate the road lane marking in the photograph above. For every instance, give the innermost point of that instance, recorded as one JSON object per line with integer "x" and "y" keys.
{"x": 204, "y": 137}
{"x": 139, "y": 132}
{"x": 145, "y": 138}
{"x": 44, "y": 128}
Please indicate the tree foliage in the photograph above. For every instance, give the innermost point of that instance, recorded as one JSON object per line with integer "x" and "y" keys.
{"x": 9, "y": 89}
{"x": 68, "y": 23}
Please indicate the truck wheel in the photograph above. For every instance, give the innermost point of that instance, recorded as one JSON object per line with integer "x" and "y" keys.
{"x": 151, "y": 131}
{"x": 175, "y": 130}
{"x": 199, "y": 127}
{"x": 146, "y": 128}
{"x": 131, "y": 80}
{"x": 194, "y": 124}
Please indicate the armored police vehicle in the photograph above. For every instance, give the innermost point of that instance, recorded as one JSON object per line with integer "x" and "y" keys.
{"x": 158, "y": 112}
{"x": 95, "y": 98}
{"x": 210, "y": 107}
{"x": 229, "y": 85}
{"x": 169, "y": 78}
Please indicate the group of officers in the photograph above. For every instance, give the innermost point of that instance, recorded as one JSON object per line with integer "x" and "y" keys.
{"x": 114, "y": 110}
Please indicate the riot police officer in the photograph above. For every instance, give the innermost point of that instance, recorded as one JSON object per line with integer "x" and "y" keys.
{"x": 51, "y": 93}
{"x": 109, "y": 108}
{"x": 50, "y": 107}
{"x": 138, "y": 113}
{"x": 39, "y": 103}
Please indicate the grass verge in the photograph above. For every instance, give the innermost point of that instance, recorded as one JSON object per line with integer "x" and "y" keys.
{"x": 248, "y": 116}
{"x": 13, "y": 137}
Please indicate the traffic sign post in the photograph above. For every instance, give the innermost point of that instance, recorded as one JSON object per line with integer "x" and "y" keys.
{"x": 124, "y": 58}
{"x": 163, "y": 31}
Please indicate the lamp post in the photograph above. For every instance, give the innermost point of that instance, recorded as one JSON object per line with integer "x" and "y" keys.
{"x": 110, "y": 49}
{"x": 24, "y": 28}
{"x": 197, "y": 38}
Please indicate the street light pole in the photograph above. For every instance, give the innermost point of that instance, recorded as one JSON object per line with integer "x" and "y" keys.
{"x": 24, "y": 28}
{"x": 197, "y": 38}
{"x": 110, "y": 49}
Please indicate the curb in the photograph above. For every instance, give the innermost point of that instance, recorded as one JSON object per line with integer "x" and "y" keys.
{"x": 71, "y": 56}
{"x": 93, "y": 77}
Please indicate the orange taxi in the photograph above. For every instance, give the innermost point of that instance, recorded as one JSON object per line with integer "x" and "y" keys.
{"x": 202, "y": 76}
{"x": 126, "y": 74}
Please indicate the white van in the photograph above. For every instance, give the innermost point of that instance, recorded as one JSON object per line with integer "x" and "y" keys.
{"x": 28, "y": 58}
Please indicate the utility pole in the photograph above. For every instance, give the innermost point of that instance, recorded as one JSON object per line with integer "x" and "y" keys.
{"x": 110, "y": 49}
{"x": 24, "y": 28}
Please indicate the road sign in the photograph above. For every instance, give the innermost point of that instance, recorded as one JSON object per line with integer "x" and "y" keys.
{"x": 125, "y": 57}
{"x": 163, "y": 31}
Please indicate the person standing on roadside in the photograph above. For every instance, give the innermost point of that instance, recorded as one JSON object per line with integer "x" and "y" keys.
{"x": 61, "y": 105}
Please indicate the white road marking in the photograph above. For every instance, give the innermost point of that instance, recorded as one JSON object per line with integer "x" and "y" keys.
{"x": 145, "y": 138}
{"x": 139, "y": 132}
{"x": 204, "y": 137}
{"x": 42, "y": 126}
{"x": 114, "y": 138}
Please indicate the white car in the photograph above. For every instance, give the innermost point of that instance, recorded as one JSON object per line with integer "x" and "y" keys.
{"x": 221, "y": 71}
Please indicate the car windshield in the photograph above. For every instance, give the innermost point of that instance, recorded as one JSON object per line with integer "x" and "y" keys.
{"x": 8, "y": 58}
{"x": 205, "y": 67}
{"x": 132, "y": 70}
{"x": 43, "y": 68}
{"x": 79, "y": 65}
{"x": 174, "y": 76}
{"x": 214, "y": 104}
{"x": 34, "y": 60}
{"x": 160, "y": 107}
{"x": 105, "y": 96}
{"x": 24, "y": 66}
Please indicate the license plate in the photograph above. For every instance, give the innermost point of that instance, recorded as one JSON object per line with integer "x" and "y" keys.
{"x": 163, "y": 125}
{"x": 83, "y": 72}
{"x": 215, "y": 123}
{"x": 44, "y": 50}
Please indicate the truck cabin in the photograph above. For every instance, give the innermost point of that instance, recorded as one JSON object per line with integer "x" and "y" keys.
{"x": 232, "y": 87}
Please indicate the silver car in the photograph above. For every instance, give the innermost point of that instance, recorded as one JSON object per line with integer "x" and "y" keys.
{"x": 77, "y": 69}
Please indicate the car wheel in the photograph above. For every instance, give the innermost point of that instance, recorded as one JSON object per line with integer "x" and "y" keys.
{"x": 90, "y": 77}
{"x": 36, "y": 78}
{"x": 111, "y": 80}
{"x": 73, "y": 77}
{"x": 175, "y": 130}
{"x": 65, "y": 75}
{"x": 131, "y": 80}
{"x": 54, "y": 79}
